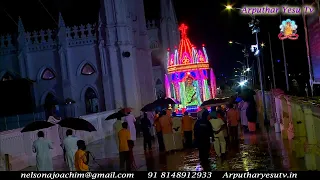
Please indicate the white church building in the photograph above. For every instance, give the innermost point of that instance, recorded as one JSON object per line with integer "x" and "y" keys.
{"x": 118, "y": 62}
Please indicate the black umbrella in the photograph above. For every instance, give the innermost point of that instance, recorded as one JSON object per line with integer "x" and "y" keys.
{"x": 116, "y": 115}
{"x": 148, "y": 107}
{"x": 77, "y": 124}
{"x": 215, "y": 102}
{"x": 37, "y": 125}
{"x": 165, "y": 101}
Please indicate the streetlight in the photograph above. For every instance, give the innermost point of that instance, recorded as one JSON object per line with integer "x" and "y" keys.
{"x": 242, "y": 83}
{"x": 254, "y": 25}
{"x": 228, "y": 7}
{"x": 262, "y": 44}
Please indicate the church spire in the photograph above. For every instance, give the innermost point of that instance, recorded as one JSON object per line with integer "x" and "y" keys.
{"x": 167, "y": 11}
{"x": 20, "y": 26}
{"x": 61, "y": 21}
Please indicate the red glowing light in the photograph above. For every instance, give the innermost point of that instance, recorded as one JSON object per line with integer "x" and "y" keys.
{"x": 185, "y": 45}
{"x": 183, "y": 28}
{"x": 203, "y": 45}
{"x": 175, "y": 47}
{"x": 168, "y": 49}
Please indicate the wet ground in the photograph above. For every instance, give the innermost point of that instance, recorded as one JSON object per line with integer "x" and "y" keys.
{"x": 264, "y": 150}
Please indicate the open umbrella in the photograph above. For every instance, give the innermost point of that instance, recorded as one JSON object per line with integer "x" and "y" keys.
{"x": 148, "y": 107}
{"x": 165, "y": 101}
{"x": 126, "y": 110}
{"x": 37, "y": 125}
{"x": 215, "y": 102}
{"x": 77, "y": 124}
{"x": 116, "y": 115}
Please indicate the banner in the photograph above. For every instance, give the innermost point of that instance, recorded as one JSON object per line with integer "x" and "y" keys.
{"x": 160, "y": 175}
{"x": 313, "y": 22}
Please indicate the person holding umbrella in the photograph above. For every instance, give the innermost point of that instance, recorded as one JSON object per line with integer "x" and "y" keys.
{"x": 70, "y": 147}
{"x": 146, "y": 126}
{"x": 42, "y": 147}
{"x": 130, "y": 119}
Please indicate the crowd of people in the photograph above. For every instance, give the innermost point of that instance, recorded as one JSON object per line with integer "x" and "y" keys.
{"x": 216, "y": 129}
{"x": 76, "y": 156}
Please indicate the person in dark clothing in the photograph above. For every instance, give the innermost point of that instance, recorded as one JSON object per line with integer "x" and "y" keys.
{"x": 202, "y": 133}
{"x": 251, "y": 113}
{"x": 145, "y": 127}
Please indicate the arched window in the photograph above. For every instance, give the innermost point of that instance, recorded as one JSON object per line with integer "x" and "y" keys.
{"x": 158, "y": 82}
{"x": 47, "y": 74}
{"x": 91, "y": 101}
{"x": 87, "y": 69}
{"x": 50, "y": 105}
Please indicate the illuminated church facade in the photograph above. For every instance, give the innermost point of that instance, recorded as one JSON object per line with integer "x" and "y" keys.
{"x": 99, "y": 67}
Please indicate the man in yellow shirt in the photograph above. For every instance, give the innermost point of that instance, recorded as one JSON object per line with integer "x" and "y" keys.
{"x": 187, "y": 125}
{"x": 81, "y": 158}
{"x": 124, "y": 151}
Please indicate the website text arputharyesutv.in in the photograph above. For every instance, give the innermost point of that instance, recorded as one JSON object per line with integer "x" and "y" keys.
{"x": 256, "y": 175}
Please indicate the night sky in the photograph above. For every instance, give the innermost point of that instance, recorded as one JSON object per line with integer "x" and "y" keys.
{"x": 208, "y": 23}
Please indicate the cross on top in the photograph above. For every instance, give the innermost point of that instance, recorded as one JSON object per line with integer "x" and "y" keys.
{"x": 183, "y": 28}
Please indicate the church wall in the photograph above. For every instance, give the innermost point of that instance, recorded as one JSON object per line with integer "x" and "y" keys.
{"x": 158, "y": 74}
{"x": 36, "y": 63}
{"x": 9, "y": 63}
{"x": 78, "y": 56}
{"x": 79, "y": 44}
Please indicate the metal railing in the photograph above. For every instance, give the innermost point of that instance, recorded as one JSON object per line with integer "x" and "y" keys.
{"x": 19, "y": 121}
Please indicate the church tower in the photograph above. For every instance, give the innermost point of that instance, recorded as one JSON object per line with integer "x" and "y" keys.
{"x": 169, "y": 32}
{"x": 115, "y": 22}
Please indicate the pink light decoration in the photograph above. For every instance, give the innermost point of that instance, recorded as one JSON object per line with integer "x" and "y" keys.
{"x": 172, "y": 63}
{"x": 213, "y": 83}
{"x": 201, "y": 57}
{"x": 167, "y": 86}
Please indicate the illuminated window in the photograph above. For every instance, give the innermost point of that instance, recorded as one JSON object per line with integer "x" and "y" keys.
{"x": 87, "y": 69}
{"x": 47, "y": 74}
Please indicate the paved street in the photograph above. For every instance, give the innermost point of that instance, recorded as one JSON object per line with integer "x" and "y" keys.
{"x": 260, "y": 151}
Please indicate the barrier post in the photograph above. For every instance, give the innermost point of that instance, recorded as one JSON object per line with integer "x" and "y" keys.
{"x": 7, "y": 161}
{"x": 310, "y": 157}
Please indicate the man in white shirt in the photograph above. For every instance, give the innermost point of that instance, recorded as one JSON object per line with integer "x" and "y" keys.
{"x": 42, "y": 148}
{"x": 219, "y": 141}
{"x": 70, "y": 146}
